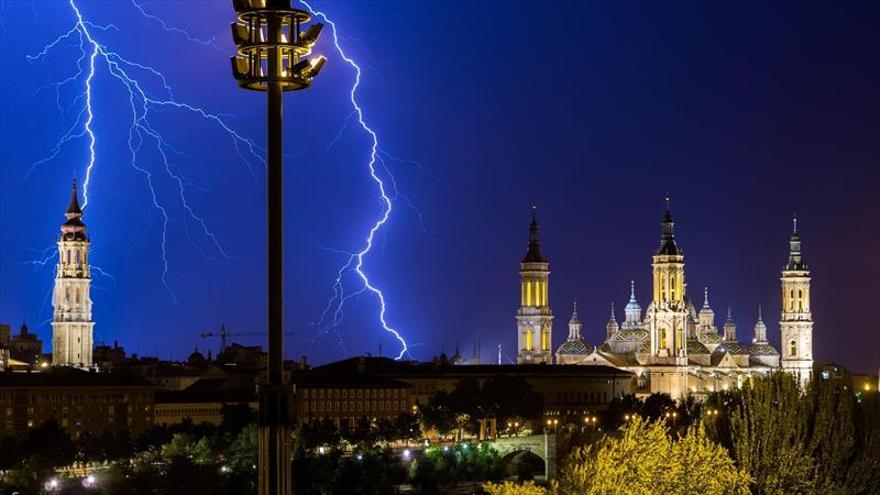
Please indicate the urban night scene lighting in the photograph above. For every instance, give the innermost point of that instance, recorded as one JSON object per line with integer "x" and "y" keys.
{"x": 471, "y": 252}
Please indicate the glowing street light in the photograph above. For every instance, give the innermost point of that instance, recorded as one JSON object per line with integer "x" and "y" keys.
{"x": 271, "y": 56}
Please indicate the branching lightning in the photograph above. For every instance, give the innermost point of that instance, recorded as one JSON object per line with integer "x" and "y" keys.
{"x": 94, "y": 54}
{"x": 355, "y": 261}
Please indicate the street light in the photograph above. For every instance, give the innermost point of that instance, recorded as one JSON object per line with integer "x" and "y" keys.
{"x": 271, "y": 56}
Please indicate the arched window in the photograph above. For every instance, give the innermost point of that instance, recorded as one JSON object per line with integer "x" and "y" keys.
{"x": 528, "y": 293}
{"x": 800, "y": 300}
{"x": 68, "y": 256}
{"x": 67, "y": 294}
{"x": 78, "y": 297}
{"x": 663, "y": 338}
{"x": 791, "y": 300}
{"x": 792, "y": 348}
{"x": 545, "y": 339}
{"x": 529, "y": 337}
{"x": 77, "y": 257}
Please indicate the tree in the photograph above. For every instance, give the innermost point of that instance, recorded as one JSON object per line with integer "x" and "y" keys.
{"x": 645, "y": 460}
{"x": 509, "y": 488}
{"x": 823, "y": 439}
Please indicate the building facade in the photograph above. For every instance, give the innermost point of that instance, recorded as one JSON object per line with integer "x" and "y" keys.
{"x": 72, "y": 324}
{"x": 81, "y": 402}
{"x": 675, "y": 349}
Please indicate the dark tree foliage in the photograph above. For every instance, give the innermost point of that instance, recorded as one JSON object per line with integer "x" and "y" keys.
{"x": 825, "y": 439}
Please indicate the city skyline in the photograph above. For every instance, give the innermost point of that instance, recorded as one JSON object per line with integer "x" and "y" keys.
{"x": 735, "y": 156}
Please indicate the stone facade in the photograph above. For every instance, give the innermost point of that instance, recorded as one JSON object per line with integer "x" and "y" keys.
{"x": 72, "y": 325}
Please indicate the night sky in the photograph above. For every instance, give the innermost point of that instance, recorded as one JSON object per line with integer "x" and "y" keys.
{"x": 745, "y": 113}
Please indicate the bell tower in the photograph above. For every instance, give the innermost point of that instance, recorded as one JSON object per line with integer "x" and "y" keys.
{"x": 667, "y": 317}
{"x": 72, "y": 323}
{"x": 534, "y": 319}
{"x": 796, "y": 322}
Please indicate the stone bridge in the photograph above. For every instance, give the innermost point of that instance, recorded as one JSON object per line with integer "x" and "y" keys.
{"x": 542, "y": 445}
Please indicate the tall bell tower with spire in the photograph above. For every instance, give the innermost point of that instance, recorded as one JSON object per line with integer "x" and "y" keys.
{"x": 796, "y": 322}
{"x": 72, "y": 324}
{"x": 534, "y": 319}
{"x": 667, "y": 316}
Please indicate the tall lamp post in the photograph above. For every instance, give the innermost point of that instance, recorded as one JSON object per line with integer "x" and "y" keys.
{"x": 271, "y": 51}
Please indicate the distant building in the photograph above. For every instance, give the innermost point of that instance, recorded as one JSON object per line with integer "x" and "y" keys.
{"x": 250, "y": 356}
{"x": 671, "y": 347}
{"x": 346, "y": 398}
{"x": 568, "y": 390}
{"x": 203, "y": 401}
{"x": 26, "y": 347}
{"x": 72, "y": 324}
{"x": 80, "y": 401}
{"x": 106, "y": 357}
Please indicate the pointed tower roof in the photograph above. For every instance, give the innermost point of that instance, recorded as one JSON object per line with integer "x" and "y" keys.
{"x": 667, "y": 237}
{"x": 729, "y": 327}
{"x": 575, "y": 318}
{"x": 73, "y": 228}
{"x": 611, "y": 327}
{"x": 533, "y": 254}
{"x": 795, "y": 260}
{"x": 73, "y": 209}
{"x": 760, "y": 329}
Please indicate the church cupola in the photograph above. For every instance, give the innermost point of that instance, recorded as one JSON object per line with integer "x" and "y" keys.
{"x": 707, "y": 314}
{"x": 760, "y": 329}
{"x": 632, "y": 311}
{"x": 729, "y": 327}
{"x": 611, "y": 327}
{"x": 574, "y": 324}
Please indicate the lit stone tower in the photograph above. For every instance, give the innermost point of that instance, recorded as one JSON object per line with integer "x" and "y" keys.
{"x": 667, "y": 317}
{"x": 72, "y": 323}
{"x": 796, "y": 323}
{"x": 534, "y": 320}
{"x": 668, "y": 313}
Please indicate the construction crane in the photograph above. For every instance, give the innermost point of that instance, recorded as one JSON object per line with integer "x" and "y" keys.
{"x": 224, "y": 335}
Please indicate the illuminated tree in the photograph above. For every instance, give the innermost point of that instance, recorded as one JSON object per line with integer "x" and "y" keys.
{"x": 645, "y": 460}
{"x": 509, "y": 488}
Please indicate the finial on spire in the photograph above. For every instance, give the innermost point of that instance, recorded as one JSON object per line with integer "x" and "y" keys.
{"x": 632, "y": 290}
{"x": 794, "y": 224}
{"x": 706, "y": 296}
{"x": 574, "y": 311}
{"x": 760, "y": 316}
{"x": 729, "y": 313}
{"x": 612, "y": 310}
{"x": 533, "y": 254}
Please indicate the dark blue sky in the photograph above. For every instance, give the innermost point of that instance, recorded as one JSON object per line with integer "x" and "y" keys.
{"x": 744, "y": 112}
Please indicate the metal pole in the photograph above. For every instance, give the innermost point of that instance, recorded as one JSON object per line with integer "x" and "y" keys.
{"x": 275, "y": 397}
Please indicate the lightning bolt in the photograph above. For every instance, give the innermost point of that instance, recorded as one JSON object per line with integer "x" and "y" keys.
{"x": 355, "y": 261}
{"x": 141, "y": 130}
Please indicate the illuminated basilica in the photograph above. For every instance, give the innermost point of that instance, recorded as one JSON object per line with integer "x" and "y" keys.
{"x": 671, "y": 346}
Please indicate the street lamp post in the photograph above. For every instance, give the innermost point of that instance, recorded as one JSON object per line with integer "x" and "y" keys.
{"x": 271, "y": 53}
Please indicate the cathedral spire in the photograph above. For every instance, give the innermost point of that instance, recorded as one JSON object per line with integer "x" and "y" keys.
{"x": 760, "y": 329}
{"x": 574, "y": 324}
{"x": 706, "y": 297}
{"x": 611, "y": 327}
{"x": 73, "y": 228}
{"x": 534, "y": 255}
{"x": 667, "y": 237}
{"x": 795, "y": 260}
{"x": 73, "y": 209}
{"x": 729, "y": 327}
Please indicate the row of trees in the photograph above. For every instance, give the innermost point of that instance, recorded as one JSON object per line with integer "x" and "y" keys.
{"x": 769, "y": 437}
{"x": 504, "y": 398}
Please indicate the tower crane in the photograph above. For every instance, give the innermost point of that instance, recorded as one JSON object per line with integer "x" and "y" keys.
{"x": 224, "y": 335}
